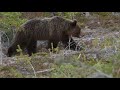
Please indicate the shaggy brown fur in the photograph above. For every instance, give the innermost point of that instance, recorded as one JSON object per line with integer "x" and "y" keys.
{"x": 53, "y": 29}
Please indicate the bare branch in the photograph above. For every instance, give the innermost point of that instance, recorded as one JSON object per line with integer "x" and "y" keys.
{"x": 46, "y": 70}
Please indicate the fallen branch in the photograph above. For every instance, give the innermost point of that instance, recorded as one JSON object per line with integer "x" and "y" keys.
{"x": 46, "y": 70}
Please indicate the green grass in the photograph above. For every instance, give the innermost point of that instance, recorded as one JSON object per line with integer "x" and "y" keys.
{"x": 9, "y": 72}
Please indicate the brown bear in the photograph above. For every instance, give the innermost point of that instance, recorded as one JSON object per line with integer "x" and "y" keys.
{"x": 53, "y": 29}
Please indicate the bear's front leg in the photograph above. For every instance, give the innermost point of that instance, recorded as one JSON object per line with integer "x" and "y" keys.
{"x": 72, "y": 44}
{"x": 52, "y": 44}
{"x": 31, "y": 47}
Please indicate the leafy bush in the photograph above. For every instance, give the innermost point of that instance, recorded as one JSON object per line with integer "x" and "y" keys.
{"x": 10, "y": 21}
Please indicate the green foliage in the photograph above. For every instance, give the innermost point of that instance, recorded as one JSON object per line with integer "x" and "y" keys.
{"x": 103, "y": 14}
{"x": 9, "y": 72}
{"x": 70, "y": 14}
{"x": 104, "y": 67}
{"x": 19, "y": 50}
{"x": 10, "y": 19}
{"x": 65, "y": 71}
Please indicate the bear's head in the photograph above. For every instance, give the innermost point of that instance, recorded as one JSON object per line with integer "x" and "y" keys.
{"x": 74, "y": 29}
{"x": 10, "y": 51}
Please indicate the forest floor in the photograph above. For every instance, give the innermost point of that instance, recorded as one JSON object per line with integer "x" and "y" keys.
{"x": 98, "y": 59}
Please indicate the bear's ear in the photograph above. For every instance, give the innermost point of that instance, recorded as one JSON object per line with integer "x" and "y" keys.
{"x": 74, "y": 23}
